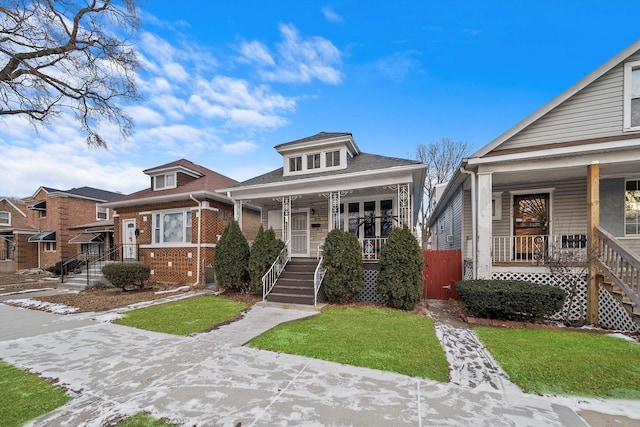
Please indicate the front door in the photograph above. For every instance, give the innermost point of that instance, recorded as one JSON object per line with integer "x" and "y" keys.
{"x": 299, "y": 234}
{"x": 531, "y": 226}
{"x": 129, "y": 244}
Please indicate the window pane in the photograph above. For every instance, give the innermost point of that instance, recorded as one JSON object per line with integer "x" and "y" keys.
{"x": 370, "y": 221}
{"x": 160, "y": 181}
{"x": 635, "y": 112}
{"x": 4, "y": 217}
{"x": 386, "y": 222}
{"x": 635, "y": 83}
{"x": 170, "y": 180}
{"x": 354, "y": 213}
{"x": 188, "y": 228}
{"x": 336, "y": 158}
{"x": 173, "y": 228}
{"x": 313, "y": 161}
{"x": 632, "y": 207}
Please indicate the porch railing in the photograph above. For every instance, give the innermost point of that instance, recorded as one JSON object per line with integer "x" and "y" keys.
{"x": 537, "y": 249}
{"x": 84, "y": 261}
{"x": 270, "y": 277}
{"x": 621, "y": 265}
{"x": 318, "y": 276}
{"x": 371, "y": 247}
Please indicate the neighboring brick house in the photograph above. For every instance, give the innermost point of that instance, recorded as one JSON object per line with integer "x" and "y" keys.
{"x": 39, "y": 229}
{"x": 55, "y": 212}
{"x": 14, "y": 226}
{"x": 174, "y": 225}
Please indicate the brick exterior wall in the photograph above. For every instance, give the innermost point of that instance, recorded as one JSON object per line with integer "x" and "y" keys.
{"x": 176, "y": 263}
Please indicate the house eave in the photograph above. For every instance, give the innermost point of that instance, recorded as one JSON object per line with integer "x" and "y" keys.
{"x": 168, "y": 198}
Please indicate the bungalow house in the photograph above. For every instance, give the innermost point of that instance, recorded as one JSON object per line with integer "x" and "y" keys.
{"x": 174, "y": 224}
{"x": 326, "y": 182}
{"x": 563, "y": 185}
{"x": 38, "y": 230}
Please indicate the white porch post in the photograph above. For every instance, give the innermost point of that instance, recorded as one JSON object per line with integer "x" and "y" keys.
{"x": 237, "y": 212}
{"x": 334, "y": 220}
{"x": 484, "y": 224}
{"x": 404, "y": 206}
{"x": 286, "y": 224}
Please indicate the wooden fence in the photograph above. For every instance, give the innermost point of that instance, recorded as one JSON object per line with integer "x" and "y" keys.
{"x": 442, "y": 269}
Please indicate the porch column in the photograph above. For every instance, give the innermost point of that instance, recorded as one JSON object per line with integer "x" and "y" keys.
{"x": 286, "y": 224}
{"x": 334, "y": 220}
{"x": 484, "y": 224}
{"x": 237, "y": 212}
{"x": 404, "y": 206}
{"x": 593, "y": 221}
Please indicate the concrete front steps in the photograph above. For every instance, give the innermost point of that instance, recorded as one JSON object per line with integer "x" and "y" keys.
{"x": 295, "y": 284}
{"x": 79, "y": 281}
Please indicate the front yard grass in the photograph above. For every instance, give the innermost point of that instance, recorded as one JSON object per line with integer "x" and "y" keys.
{"x": 378, "y": 338}
{"x": 566, "y": 362}
{"x": 24, "y": 396}
{"x": 184, "y": 317}
{"x": 142, "y": 420}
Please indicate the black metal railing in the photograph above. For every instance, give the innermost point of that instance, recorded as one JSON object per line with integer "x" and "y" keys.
{"x": 86, "y": 261}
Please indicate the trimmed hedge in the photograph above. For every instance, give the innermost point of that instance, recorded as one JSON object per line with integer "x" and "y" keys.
{"x": 264, "y": 251}
{"x": 127, "y": 274}
{"x": 342, "y": 257}
{"x": 510, "y": 299}
{"x": 400, "y": 279}
{"x": 231, "y": 259}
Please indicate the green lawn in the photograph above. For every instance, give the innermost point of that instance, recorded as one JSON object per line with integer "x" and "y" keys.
{"x": 24, "y": 396}
{"x": 142, "y": 420}
{"x": 566, "y": 362}
{"x": 390, "y": 340}
{"x": 184, "y": 317}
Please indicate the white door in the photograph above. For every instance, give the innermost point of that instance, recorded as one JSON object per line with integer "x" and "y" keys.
{"x": 299, "y": 234}
{"x": 129, "y": 246}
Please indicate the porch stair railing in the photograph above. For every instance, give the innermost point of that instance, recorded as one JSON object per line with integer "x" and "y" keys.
{"x": 87, "y": 267}
{"x": 622, "y": 270}
{"x": 271, "y": 276}
{"x": 318, "y": 276}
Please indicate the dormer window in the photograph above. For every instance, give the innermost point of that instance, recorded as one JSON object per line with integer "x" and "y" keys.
{"x": 167, "y": 180}
{"x": 295, "y": 164}
{"x": 313, "y": 161}
{"x": 333, "y": 159}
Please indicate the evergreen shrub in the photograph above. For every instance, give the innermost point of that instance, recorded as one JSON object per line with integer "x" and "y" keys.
{"x": 127, "y": 275}
{"x": 510, "y": 299}
{"x": 231, "y": 259}
{"x": 342, "y": 258}
{"x": 400, "y": 279}
{"x": 264, "y": 251}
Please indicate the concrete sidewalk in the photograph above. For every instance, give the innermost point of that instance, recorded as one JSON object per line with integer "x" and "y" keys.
{"x": 114, "y": 372}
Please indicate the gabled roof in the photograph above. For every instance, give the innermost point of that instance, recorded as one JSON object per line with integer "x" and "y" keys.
{"x": 13, "y": 205}
{"x": 590, "y": 78}
{"x": 81, "y": 192}
{"x": 208, "y": 183}
{"x": 360, "y": 163}
{"x": 183, "y": 164}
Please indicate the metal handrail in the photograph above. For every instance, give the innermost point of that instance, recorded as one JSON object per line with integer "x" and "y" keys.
{"x": 271, "y": 276}
{"x": 621, "y": 265}
{"x": 87, "y": 260}
{"x": 318, "y": 276}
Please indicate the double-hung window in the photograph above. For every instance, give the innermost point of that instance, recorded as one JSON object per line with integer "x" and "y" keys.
{"x": 102, "y": 213}
{"x": 172, "y": 227}
{"x": 632, "y": 95}
{"x": 167, "y": 180}
{"x": 632, "y": 207}
{"x": 332, "y": 158}
{"x": 5, "y": 218}
{"x": 313, "y": 161}
{"x": 295, "y": 164}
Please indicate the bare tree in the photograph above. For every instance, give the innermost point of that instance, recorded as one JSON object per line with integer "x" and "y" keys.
{"x": 443, "y": 159}
{"x": 69, "y": 56}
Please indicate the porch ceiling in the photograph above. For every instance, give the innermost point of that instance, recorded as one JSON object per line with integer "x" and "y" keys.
{"x": 519, "y": 176}
{"x": 373, "y": 192}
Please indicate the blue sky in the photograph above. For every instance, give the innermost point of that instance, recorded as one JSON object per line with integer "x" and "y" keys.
{"x": 225, "y": 81}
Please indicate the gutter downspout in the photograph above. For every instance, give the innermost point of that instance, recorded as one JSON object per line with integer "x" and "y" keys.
{"x": 474, "y": 220}
{"x": 199, "y": 237}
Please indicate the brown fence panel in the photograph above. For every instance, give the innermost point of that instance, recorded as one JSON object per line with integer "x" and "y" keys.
{"x": 442, "y": 269}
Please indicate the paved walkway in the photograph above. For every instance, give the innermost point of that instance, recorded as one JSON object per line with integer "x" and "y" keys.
{"x": 210, "y": 379}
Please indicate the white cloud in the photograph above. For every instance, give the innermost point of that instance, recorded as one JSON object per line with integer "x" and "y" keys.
{"x": 398, "y": 65}
{"x": 239, "y": 148}
{"x": 257, "y": 53}
{"x": 301, "y": 60}
{"x": 331, "y": 16}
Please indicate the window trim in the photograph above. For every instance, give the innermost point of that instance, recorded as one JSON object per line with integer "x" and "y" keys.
{"x": 311, "y": 161}
{"x": 154, "y": 227}
{"x": 624, "y": 219}
{"x": 297, "y": 162}
{"x": 106, "y": 212}
{"x": 333, "y": 155}
{"x": 8, "y": 218}
{"x": 164, "y": 186}
{"x": 628, "y": 83}
{"x": 49, "y": 247}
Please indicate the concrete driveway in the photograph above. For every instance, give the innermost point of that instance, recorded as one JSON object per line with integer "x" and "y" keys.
{"x": 210, "y": 379}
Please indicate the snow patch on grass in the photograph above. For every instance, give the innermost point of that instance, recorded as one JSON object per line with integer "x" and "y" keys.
{"x": 42, "y": 305}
